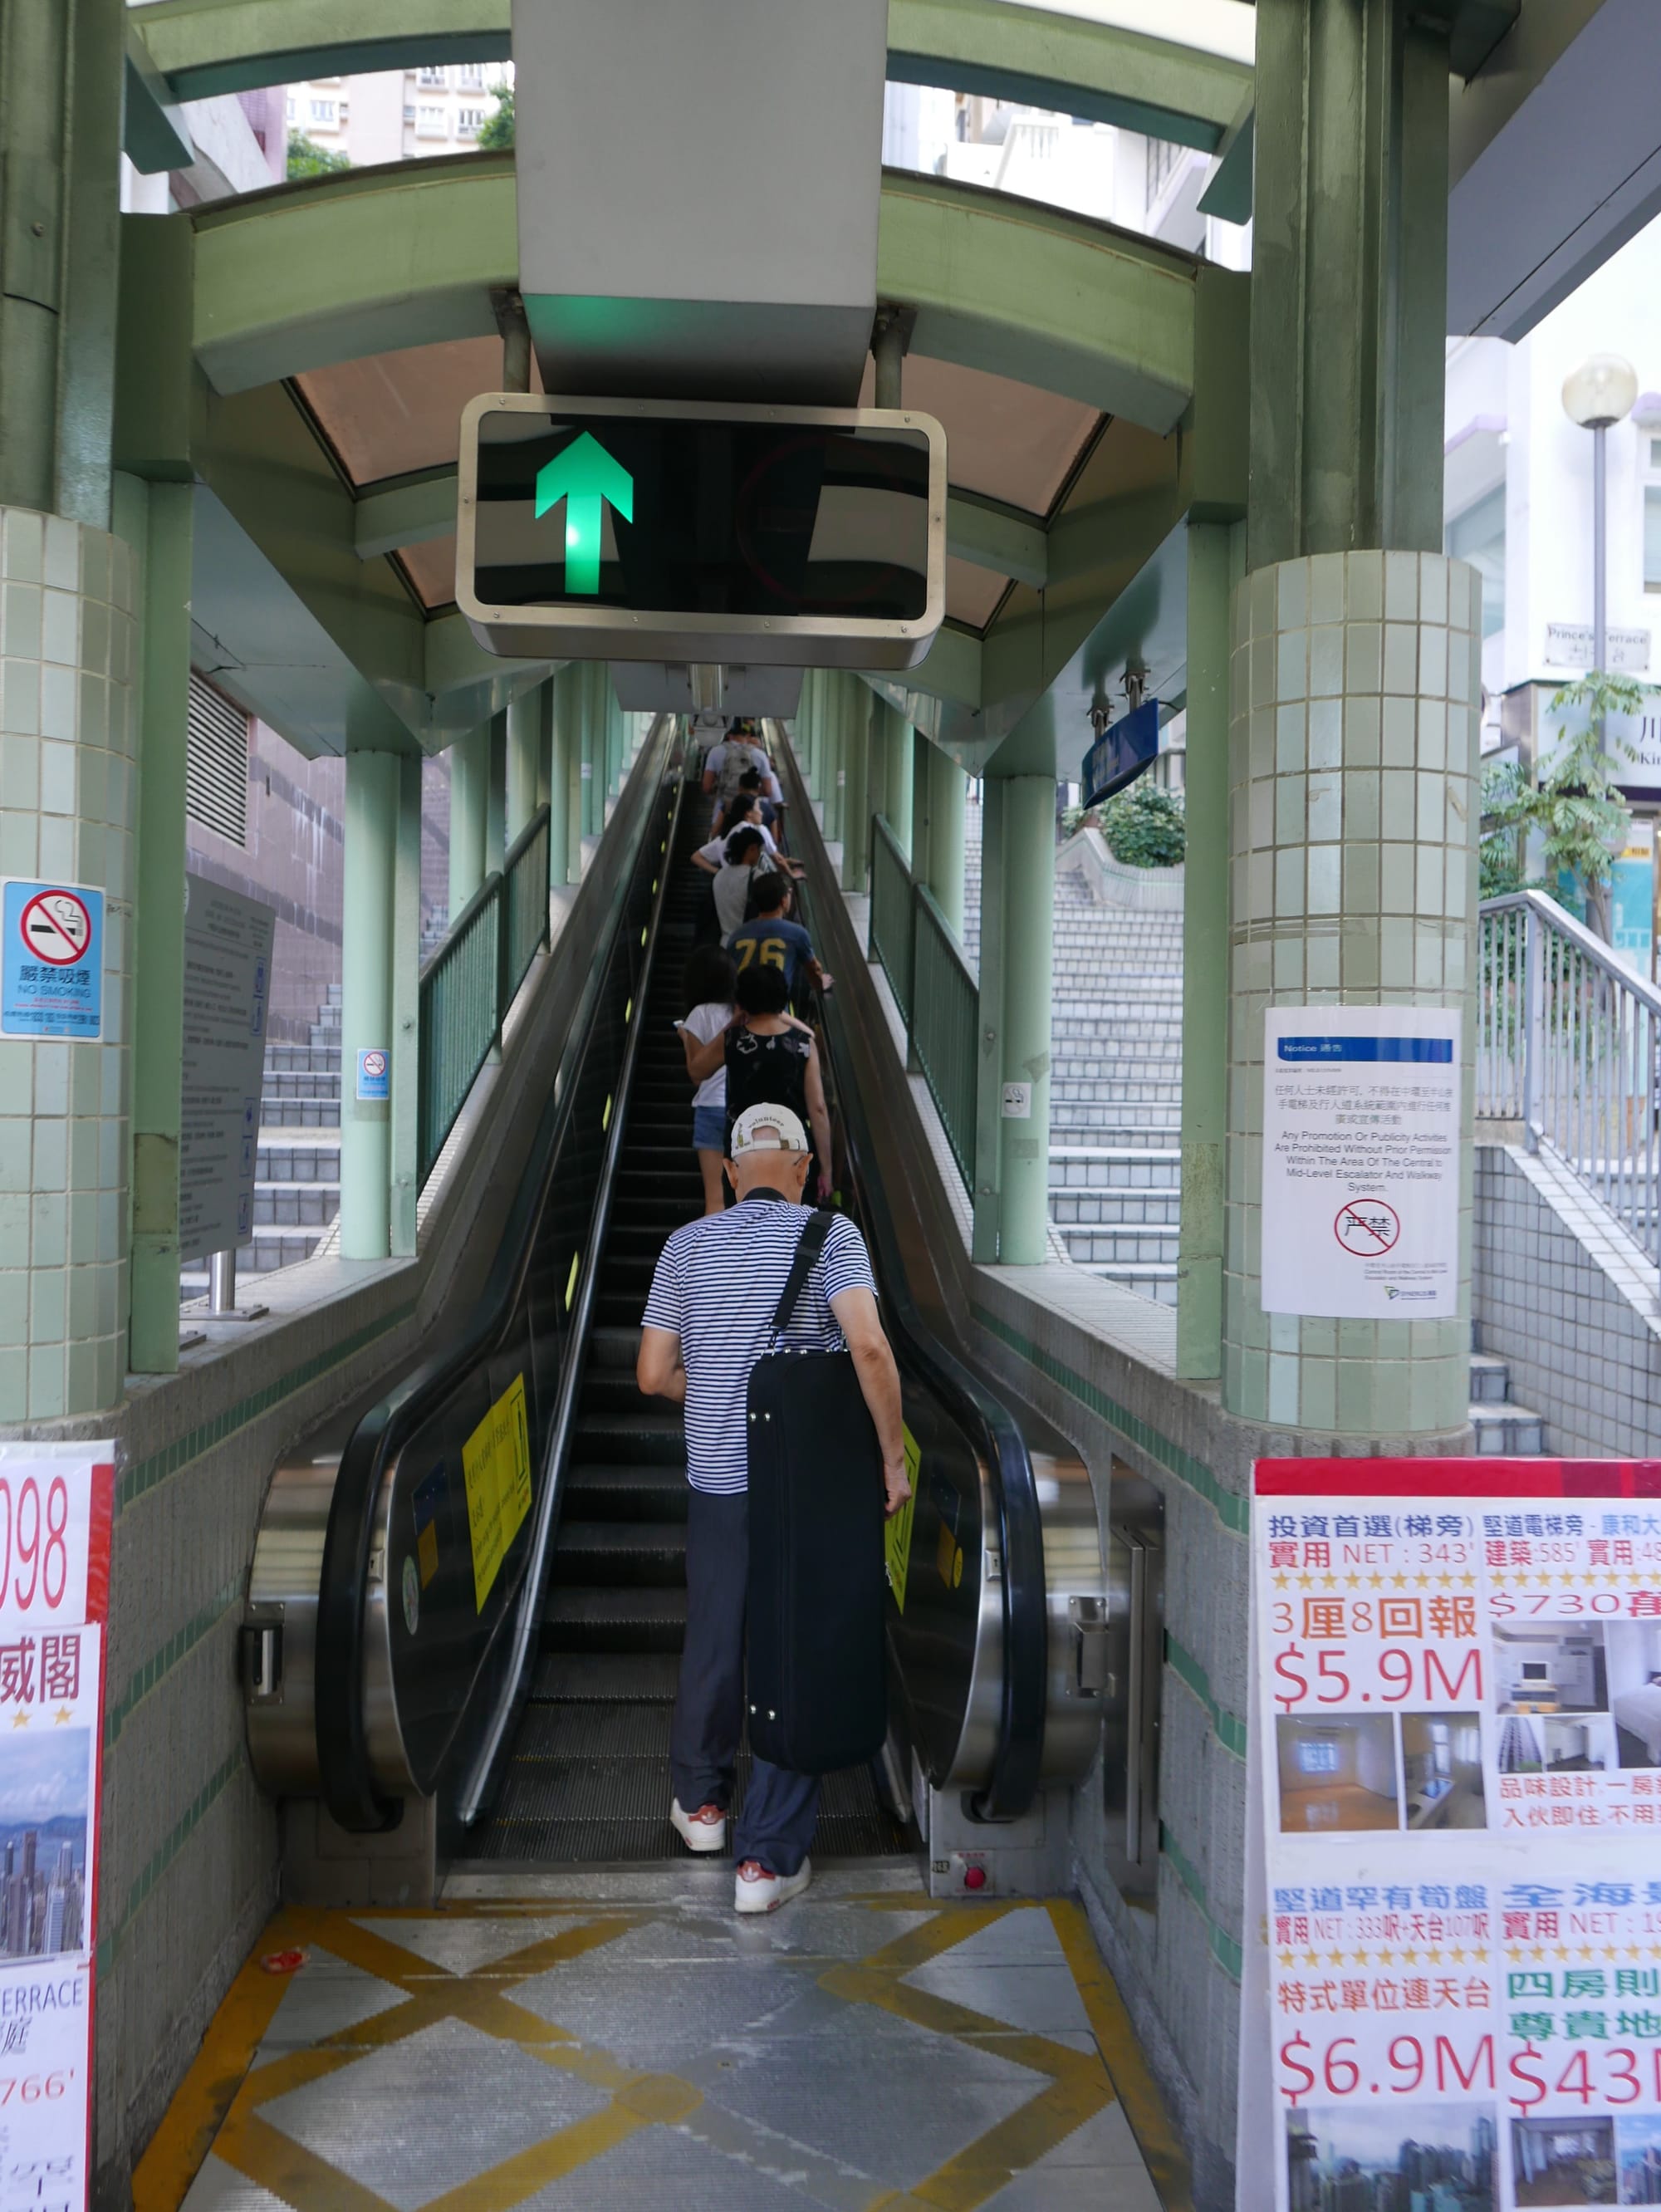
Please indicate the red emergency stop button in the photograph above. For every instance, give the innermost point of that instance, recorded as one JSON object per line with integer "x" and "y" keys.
{"x": 974, "y": 1877}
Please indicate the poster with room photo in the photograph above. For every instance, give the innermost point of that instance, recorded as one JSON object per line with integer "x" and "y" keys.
{"x": 1454, "y": 1924}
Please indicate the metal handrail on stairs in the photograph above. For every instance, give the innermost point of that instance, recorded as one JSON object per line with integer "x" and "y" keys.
{"x": 1568, "y": 1043}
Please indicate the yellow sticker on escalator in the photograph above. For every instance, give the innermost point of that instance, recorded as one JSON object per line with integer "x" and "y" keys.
{"x": 897, "y": 1531}
{"x": 496, "y": 1467}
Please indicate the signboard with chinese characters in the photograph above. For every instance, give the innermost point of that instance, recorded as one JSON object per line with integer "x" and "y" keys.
{"x": 227, "y": 983}
{"x": 56, "y": 1504}
{"x": 1569, "y": 645}
{"x": 1454, "y": 1987}
{"x": 1360, "y": 1162}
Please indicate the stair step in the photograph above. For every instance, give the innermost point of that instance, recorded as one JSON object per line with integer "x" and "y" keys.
{"x": 1511, "y": 1431}
{"x": 1490, "y": 1380}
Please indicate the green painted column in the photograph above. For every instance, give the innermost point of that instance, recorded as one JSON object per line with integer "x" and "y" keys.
{"x": 545, "y": 742}
{"x": 568, "y": 728}
{"x": 989, "y": 1089}
{"x": 1216, "y": 554}
{"x": 470, "y": 787}
{"x": 858, "y": 704}
{"x": 1025, "y": 895}
{"x": 556, "y": 784}
{"x": 524, "y": 755}
{"x": 940, "y": 792}
{"x": 1349, "y": 278}
{"x": 155, "y": 522}
{"x": 802, "y": 732}
{"x": 495, "y": 801}
{"x": 593, "y": 736}
{"x": 403, "y": 1159}
{"x": 897, "y": 746}
{"x": 835, "y": 779}
{"x": 373, "y": 803}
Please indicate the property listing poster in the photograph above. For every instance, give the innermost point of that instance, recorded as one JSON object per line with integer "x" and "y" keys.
{"x": 1455, "y": 1913}
{"x": 55, "y": 1514}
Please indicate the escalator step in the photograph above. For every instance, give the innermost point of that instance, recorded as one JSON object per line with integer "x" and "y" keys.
{"x": 589, "y": 1810}
{"x": 626, "y": 1493}
{"x": 606, "y": 1678}
{"x": 647, "y": 1554}
{"x": 595, "y": 1730}
{"x": 613, "y": 1620}
{"x": 641, "y": 1439}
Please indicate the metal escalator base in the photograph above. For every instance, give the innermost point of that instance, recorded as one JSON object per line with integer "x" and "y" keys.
{"x": 586, "y": 1782}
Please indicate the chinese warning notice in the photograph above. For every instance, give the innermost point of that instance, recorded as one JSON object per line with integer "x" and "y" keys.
{"x": 55, "y": 1512}
{"x": 1453, "y": 1988}
{"x": 52, "y": 961}
{"x": 1360, "y": 1162}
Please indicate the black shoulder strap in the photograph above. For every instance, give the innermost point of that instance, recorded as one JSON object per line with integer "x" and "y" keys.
{"x": 810, "y": 1245}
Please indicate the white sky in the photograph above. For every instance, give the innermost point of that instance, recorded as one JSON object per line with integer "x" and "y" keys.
{"x": 1216, "y": 26}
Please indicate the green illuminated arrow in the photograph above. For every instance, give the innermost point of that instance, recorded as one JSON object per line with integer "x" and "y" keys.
{"x": 585, "y": 477}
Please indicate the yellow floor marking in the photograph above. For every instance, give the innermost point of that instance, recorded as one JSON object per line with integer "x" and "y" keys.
{"x": 1150, "y": 2124}
{"x": 273, "y": 2161}
{"x": 221, "y": 2094}
{"x": 176, "y": 2150}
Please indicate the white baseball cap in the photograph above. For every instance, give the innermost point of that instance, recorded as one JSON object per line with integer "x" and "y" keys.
{"x": 767, "y": 1129}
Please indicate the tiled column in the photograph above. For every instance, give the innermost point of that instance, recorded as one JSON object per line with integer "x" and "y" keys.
{"x": 67, "y": 807}
{"x": 1353, "y": 803}
{"x": 897, "y": 743}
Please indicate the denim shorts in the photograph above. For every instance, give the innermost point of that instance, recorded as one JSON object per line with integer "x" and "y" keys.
{"x": 709, "y": 1129}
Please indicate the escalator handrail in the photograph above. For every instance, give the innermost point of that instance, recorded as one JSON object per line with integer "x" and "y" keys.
{"x": 1024, "y": 1687}
{"x": 475, "y": 1790}
{"x": 346, "y": 1779}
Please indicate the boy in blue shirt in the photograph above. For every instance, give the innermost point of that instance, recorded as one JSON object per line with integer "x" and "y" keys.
{"x": 774, "y": 939}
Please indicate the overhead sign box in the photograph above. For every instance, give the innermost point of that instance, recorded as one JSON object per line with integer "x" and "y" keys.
{"x": 696, "y": 531}
{"x": 1120, "y": 754}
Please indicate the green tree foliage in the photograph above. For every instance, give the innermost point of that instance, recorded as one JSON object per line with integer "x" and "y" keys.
{"x": 1581, "y": 818}
{"x": 1143, "y": 826}
{"x": 496, "y": 136}
{"x": 308, "y": 159}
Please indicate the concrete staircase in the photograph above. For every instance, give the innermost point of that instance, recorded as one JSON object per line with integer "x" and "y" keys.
{"x": 1502, "y": 1429}
{"x": 297, "y": 1165}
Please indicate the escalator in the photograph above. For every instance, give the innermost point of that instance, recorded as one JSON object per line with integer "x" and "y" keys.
{"x": 470, "y": 1594}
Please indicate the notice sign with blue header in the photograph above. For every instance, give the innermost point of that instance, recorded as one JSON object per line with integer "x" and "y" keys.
{"x": 1120, "y": 754}
{"x": 52, "y": 972}
{"x": 1361, "y": 1162}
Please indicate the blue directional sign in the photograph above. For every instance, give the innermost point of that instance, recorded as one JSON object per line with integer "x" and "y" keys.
{"x": 1120, "y": 754}
{"x": 52, "y": 962}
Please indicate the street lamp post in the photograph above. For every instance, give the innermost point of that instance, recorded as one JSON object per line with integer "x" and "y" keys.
{"x": 1601, "y": 392}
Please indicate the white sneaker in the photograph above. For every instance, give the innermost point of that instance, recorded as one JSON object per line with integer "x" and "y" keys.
{"x": 758, "y": 1891}
{"x": 706, "y": 1830}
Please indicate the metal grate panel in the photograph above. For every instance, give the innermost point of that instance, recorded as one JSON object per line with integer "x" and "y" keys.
{"x": 216, "y": 762}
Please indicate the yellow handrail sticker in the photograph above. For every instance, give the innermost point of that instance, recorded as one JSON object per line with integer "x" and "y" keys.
{"x": 497, "y": 1466}
{"x": 897, "y": 1531}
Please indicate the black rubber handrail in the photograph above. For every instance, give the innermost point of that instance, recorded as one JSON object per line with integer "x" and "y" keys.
{"x": 346, "y": 1779}
{"x": 1017, "y": 1762}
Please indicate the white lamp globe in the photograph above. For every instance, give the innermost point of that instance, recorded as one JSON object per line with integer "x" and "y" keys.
{"x": 1602, "y": 390}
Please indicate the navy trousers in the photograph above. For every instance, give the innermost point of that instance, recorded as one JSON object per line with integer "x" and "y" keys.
{"x": 780, "y": 1809}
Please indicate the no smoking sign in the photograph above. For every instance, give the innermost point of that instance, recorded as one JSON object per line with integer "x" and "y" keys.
{"x": 52, "y": 962}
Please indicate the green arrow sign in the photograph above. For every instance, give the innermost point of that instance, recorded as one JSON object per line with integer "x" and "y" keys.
{"x": 585, "y": 477}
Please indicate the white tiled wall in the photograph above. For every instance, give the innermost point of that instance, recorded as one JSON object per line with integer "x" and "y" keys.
{"x": 68, "y": 805}
{"x": 1563, "y": 1294}
{"x": 1353, "y": 694}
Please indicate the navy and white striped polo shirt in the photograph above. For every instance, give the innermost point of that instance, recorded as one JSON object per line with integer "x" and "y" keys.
{"x": 717, "y": 1286}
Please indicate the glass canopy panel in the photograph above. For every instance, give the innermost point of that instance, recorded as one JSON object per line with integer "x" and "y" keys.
{"x": 432, "y": 569}
{"x": 389, "y": 413}
{"x": 1228, "y": 27}
{"x": 972, "y": 593}
{"x": 1007, "y": 440}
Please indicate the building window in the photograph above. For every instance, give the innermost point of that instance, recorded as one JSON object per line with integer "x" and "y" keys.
{"x": 1162, "y": 158}
{"x": 323, "y": 110}
{"x": 469, "y": 121}
{"x": 1479, "y": 536}
{"x": 469, "y": 76}
{"x": 431, "y": 76}
{"x": 290, "y": 108}
{"x": 409, "y": 111}
{"x": 430, "y": 123}
{"x": 216, "y": 762}
{"x": 1651, "y": 451}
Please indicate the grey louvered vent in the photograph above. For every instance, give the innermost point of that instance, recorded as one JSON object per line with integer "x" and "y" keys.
{"x": 216, "y": 763}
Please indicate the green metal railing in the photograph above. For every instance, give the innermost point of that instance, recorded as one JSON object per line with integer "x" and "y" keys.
{"x": 469, "y": 984}
{"x": 892, "y": 926}
{"x": 934, "y": 986}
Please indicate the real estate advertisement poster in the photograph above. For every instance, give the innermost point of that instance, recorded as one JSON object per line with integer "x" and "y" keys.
{"x": 1454, "y": 1918}
{"x": 55, "y": 1514}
